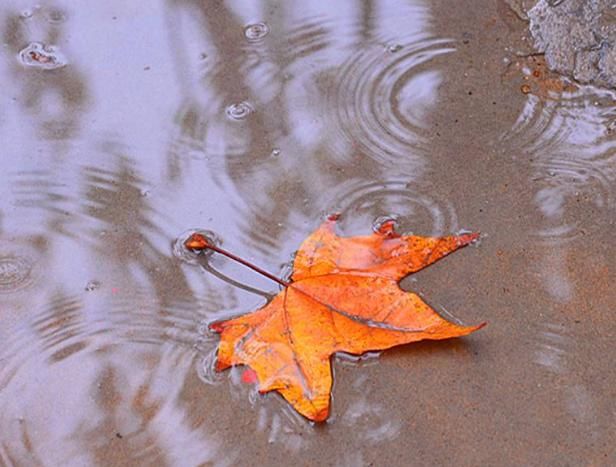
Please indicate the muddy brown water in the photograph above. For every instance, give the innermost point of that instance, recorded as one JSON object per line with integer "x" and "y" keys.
{"x": 123, "y": 125}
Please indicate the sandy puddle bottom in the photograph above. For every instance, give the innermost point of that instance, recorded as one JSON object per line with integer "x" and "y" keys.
{"x": 125, "y": 126}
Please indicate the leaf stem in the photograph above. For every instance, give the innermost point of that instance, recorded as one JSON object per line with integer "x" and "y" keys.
{"x": 198, "y": 242}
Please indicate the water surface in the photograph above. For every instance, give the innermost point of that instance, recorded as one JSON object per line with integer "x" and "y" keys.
{"x": 124, "y": 126}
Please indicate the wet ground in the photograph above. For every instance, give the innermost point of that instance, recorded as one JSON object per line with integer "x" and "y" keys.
{"x": 125, "y": 124}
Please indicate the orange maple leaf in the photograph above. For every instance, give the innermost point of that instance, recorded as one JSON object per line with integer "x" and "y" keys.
{"x": 343, "y": 297}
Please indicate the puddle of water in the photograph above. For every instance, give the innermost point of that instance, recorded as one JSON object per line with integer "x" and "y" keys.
{"x": 250, "y": 121}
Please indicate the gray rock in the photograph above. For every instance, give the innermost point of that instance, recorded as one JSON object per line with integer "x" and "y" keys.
{"x": 578, "y": 38}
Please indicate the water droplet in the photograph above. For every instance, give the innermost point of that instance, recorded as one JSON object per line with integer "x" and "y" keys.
{"x": 256, "y": 32}
{"x": 393, "y": 48}
{"x": 239, "y": 111}
{"x": 39, "y": 55}
{"x": 26, "y": 14}
{"x": 15, "y": 272}
{"x": 377, "y": 225}
{"x": 207, "y": 370}
{"x": 367, "y": 358}
{"x": 92, "y": 285}
{"x": 275, "y": 152}
{"x": 190, "y": 256}
{"x": 286, "y": 271}
{"x": 409, "y": 205}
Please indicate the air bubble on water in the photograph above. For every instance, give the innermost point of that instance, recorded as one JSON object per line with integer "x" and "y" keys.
{"x": 239, "y": 110}
{"x": 275, "y": 152}
{"x": 393, "y": 48}
{"x": 256, "y": 32}
{"x": 92, "y": 285}
{"x": 189, "y": 256}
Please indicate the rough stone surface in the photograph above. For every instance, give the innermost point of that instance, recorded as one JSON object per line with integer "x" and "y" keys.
{"x": 578, "y": 38}
{"x": 521, "y": 7}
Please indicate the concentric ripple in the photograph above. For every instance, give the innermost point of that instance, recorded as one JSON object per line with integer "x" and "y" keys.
{"x": 14, "y": 272}
{"x": 573, "y": 154}
{"x": 552, "y": 347}
{"x": 256, "y": 32}
{"x": 381, "y": 100}
{"x": 239, "y": 110}
{"x": 415, "y": 208}
{"x": 218, "y": 138}
{"x": 135, "y": 349}
{"x": 18, "y": 267}
{"x": 571, "y": 193}
{"x": 180, "y": 251}
{"x": 44, "y": 336}
{"x": 67, "y": 325}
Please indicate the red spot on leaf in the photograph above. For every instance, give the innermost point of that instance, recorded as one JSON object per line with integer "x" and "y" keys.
{"x": 249, "y": 376}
